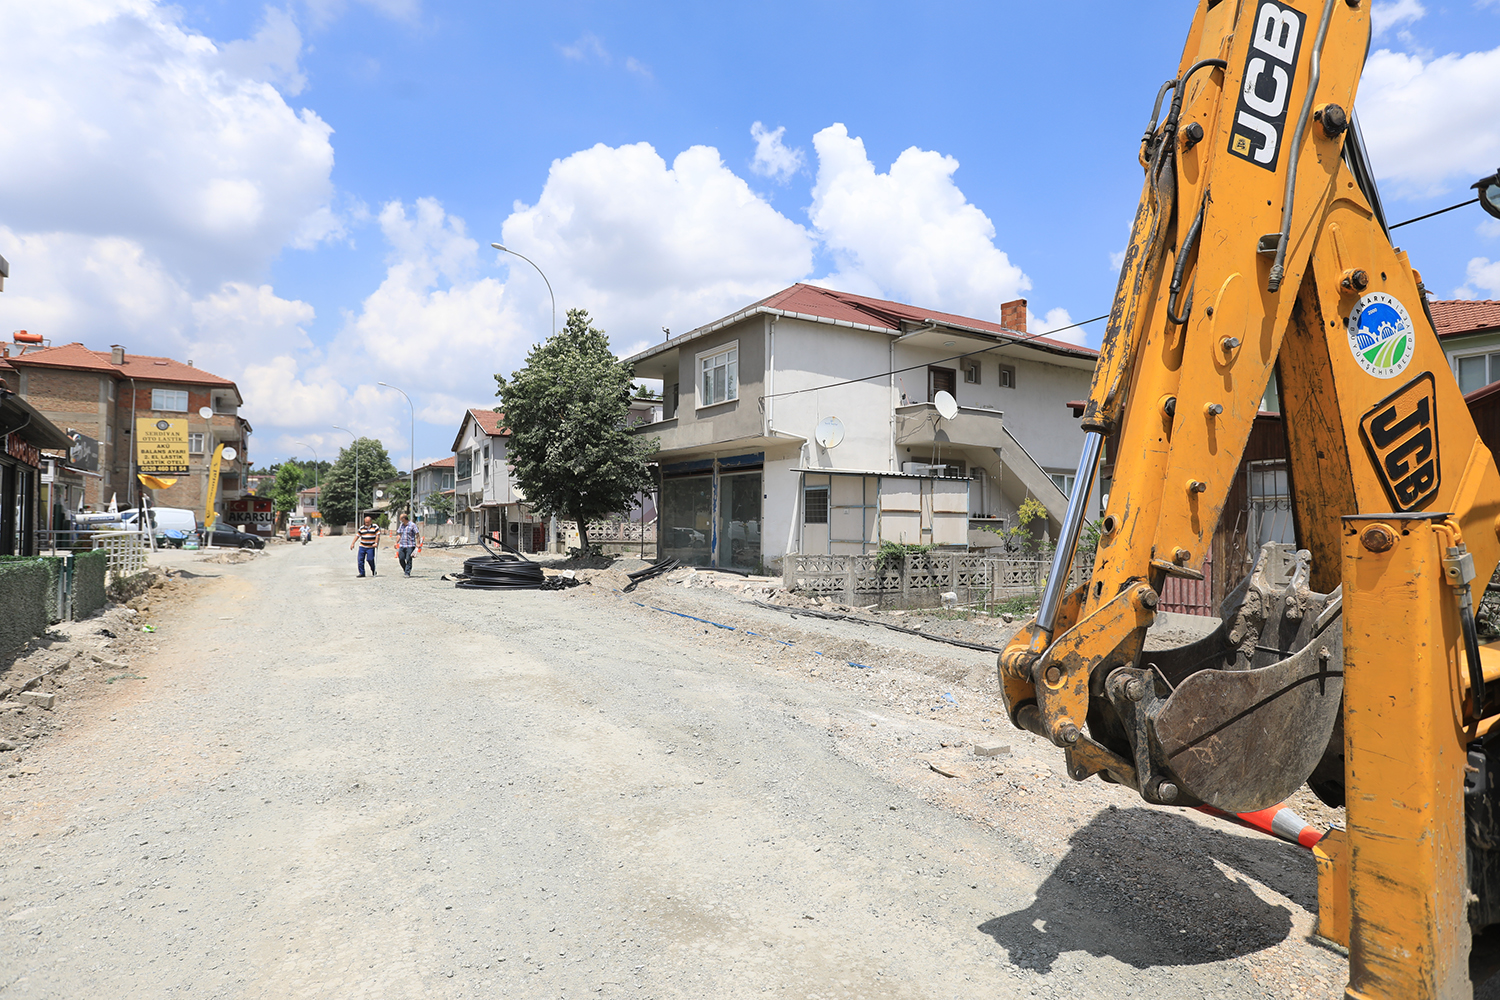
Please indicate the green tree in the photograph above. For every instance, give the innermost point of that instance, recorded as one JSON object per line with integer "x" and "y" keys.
{"x": 398, "y": 496}
{"x": 566, "y": 411}
{"x": 336, "y": 501}
{"x": 284, "y": 492}
{"x": 440, "y": 504}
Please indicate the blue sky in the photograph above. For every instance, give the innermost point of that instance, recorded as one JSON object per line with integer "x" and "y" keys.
{"x": 301, "y": 196}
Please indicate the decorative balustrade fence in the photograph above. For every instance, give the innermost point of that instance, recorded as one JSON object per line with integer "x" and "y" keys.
{"x": 920, "y": 580}
{"x": 622, "y": 531}
{"x": 126, "y": 549}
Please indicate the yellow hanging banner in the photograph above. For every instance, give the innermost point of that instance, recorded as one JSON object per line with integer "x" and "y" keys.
{"x": 213, "y": 489}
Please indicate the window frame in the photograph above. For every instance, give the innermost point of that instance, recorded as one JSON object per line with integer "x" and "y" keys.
{"x": 160, "y": 394}
{"x": 973, "y": 372}
{"x": 729, "y": 347}
{"x": 807, "y": 492}
{"x": 1491, "y": 358}
{"x": 1007, "y": 376}
{"x": 1068, "y": 478}
{"x": 201, "y": 438}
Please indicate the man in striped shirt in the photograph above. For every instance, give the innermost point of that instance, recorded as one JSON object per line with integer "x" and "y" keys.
{"x": 368, "y": 539}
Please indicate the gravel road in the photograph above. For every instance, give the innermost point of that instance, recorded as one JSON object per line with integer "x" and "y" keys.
{"x": 322, "y": 786}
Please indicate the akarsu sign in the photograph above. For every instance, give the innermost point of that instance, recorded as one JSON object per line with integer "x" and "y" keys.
{"x": 257, "y": 514}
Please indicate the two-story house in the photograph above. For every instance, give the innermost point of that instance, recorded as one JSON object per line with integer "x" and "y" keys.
{"x": 486, "y": 499}
{"x": 101, "y": 395}
{"x": 432, "y": 478}
{"x": 808, "y": 422}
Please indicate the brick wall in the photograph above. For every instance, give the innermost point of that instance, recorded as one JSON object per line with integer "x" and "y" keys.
{"x": 80, "y": 401}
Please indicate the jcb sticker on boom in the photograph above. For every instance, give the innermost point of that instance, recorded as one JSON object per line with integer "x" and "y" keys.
{"x": 1401, "y": 437}
{"x": 1270, "y": 68}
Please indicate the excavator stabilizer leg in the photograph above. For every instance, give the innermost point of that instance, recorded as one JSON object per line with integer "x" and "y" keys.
{"x": 1409, "y": 937}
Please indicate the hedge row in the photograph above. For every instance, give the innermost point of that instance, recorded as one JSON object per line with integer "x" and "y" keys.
{"x": 23, "y": 595}
{"x": 89, "y": 569}
{"x": 54, "y": 566}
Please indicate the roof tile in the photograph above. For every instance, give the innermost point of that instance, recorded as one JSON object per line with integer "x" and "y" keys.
{"x": 146, "y": 367}
{"x": 1455, "y": 316}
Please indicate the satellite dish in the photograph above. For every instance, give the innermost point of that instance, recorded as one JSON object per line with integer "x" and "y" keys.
{"x": 230, "y": 454}
{"x": 205, "y": 413}
{"x": 830, "y": 432}
{"x": 947, "y": 406}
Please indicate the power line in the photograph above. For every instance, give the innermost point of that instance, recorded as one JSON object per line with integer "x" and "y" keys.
{"x": 925, "y": 364}
{"x": 1431, "y": 214}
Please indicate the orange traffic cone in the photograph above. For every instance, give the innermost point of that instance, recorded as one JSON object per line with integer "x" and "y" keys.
{"x": 1279, "y": 821}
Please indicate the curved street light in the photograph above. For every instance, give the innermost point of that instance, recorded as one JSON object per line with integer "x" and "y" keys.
{"x": 505, "y": 249}
{"x": 411, "y": 496}
{"x": 315, "y": 461}
{"x": 352, "y": 442}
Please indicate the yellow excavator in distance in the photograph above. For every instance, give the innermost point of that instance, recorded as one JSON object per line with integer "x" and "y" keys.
{"x": 1349, "y": 661}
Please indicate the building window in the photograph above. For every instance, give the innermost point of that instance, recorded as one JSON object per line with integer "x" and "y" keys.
{"x": 941, "y": 380}
{"x": 815, "y": 505}
{"x": 169, "y": 399}
{"x": 109, "y": 388}
{"x": 1063, "y": 481}
{"x": 465, "y": 464}
{"x": 195, "y": 443}
{"x": 1476, "y": 371}
{"x": 109, "y": 433}
{"x": 971, "y": 372}
{"x": 1007, "y": 376}
{"x": 721, "y": 376}
{"x": 223, "y": 404}
{"x": 669, "y": 401}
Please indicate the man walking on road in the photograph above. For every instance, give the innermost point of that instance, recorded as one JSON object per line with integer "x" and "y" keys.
{"x": 406, "y": 543}
{"x": 368, "y": 539}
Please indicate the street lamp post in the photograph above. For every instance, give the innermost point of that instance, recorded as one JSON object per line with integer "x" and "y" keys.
{"x": 411, "y": 496}
{"x": 315, "y": 477}
{"x": 352, "y": 442}
{"x": 505, "y": 249}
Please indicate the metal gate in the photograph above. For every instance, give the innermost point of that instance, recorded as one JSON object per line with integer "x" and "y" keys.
{"x": 1190, "y": 597}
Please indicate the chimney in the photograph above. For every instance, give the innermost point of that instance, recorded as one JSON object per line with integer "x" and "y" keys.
{"x": 116, "y": 354}
{"x": 1013, "y": 315}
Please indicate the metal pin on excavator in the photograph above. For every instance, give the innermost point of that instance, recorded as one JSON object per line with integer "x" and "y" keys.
{"x": 1349, "y": 661}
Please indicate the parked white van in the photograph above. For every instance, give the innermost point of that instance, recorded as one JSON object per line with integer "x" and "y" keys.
{"x": 173, "y": 524}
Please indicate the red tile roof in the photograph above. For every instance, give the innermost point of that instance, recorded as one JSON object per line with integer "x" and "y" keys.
{"x": 1455, "y": 316}
{"x": 835, "y": 305}
{"x": 442, "y": 463}
{"x": 488, "y": 421}
{"x": 145, "y": 367}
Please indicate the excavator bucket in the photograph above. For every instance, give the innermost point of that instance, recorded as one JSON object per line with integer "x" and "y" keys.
{"x": 1241, "y": 718}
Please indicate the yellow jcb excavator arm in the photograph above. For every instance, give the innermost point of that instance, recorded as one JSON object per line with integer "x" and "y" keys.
{"x": 1259, "y": 246}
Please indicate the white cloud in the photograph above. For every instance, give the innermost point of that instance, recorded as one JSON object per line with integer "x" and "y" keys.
{"x": 1424, "y": 119}
{"x": 1483, "y": 280}
{"x": 271, "y": 55}
{"x": 910, "y": 233}
{"x": 1385, "y": 16}
{"x": 772, "y": 157}
{"x": 643, "y": 245}
{"x": 639, "y": 68}
{"x": 121, "y": 121}
{"x": 1055, "y": 320}
{"x": 588, "y": 47}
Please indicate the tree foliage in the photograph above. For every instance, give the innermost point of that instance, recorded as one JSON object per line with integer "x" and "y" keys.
{"x": 284, "y": 491}
{"x": 565, "y": 411}
{"x": 336, "y": 501}
{"x": 440, "y": 504}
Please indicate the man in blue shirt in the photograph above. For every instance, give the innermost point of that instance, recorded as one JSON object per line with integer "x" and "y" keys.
{"x": 406, "y": 543}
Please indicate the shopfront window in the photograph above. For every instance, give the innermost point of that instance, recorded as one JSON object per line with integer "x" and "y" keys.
{"x": 686, "y": 514}
{"x": 739, "y": 520}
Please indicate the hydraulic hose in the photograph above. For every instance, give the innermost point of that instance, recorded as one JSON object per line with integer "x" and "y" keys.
{"x": 1278, "y": 267}
{"x": 1181, "y": 266}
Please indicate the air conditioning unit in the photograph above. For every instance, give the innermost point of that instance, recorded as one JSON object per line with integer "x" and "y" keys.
{"x": 922, "y": 469}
